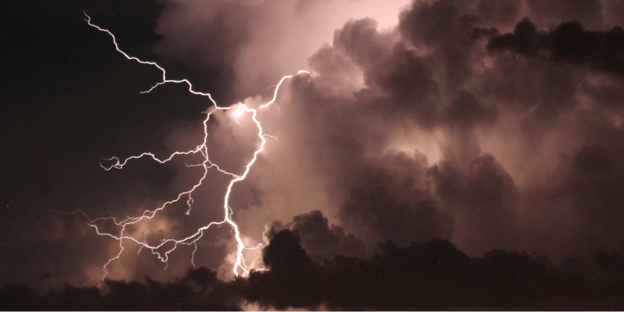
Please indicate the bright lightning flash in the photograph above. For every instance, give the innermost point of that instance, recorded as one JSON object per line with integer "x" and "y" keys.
{"x": 239, "y": 111}
{"x": 240, "y": 266}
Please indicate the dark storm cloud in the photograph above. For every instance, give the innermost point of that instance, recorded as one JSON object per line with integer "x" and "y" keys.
{"x": 527, "y": 127}
{"x": 406, "y": 77}
{"x": 611, "y": 11}
{"x": 444, "y": 70}
{"x": 389, "y": 66}
{"x": 596, "y": 184}
{"x": 199, "y": 289}
{"x": 387, "y": 195}
{"x": 568, "y": 42}
{"x": 409, "y": 84}
{"x": 295, "y": 277}
{"x": 549, "y": 13}
{"x": 441, "y": 27}
{"x": 320, "y": 240}
{"x": 430, "y": 275}
{"x": 466, "y": 111}
{"x": 395, "y": 204}
{"x": 380, "y": 196}
{"x": 362, "y": 42}
{"x": 497, "y": 12}
{"x": 538, "y": 91}
{"x": 485, "y": 195}
{"x": 426, "y": 23}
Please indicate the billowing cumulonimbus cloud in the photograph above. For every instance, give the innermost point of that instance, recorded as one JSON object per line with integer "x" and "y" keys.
{"x": 321, "y": 240}
{"x": 510, "y": 114}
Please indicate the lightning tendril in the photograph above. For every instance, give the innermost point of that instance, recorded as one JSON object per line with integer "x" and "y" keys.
{"x": 240, "y": 266}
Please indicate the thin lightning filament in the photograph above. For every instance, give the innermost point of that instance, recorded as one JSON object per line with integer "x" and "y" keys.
{"x": 240, "y": 266}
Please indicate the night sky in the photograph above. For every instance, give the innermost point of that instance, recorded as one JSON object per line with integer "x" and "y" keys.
{"x": 442, "y": 155}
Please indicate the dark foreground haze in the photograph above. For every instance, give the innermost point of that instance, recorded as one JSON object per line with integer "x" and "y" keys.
{"x": 442, "y": 155}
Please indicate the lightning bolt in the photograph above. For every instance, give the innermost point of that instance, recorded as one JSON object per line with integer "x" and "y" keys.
{"x": 240, "y": 266}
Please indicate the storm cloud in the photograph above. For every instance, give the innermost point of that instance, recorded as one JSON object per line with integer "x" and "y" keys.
{"x": 456, "y": 155}
{"x": 429, "y": 275}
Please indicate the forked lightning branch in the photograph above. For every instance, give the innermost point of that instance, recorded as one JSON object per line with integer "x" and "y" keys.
{"x": 159, "y": 250}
